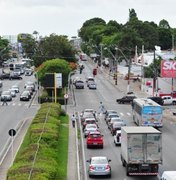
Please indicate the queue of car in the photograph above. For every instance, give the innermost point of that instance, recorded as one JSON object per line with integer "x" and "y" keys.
{"x": 80, "y": 84}
{"x": 94, "y": 138}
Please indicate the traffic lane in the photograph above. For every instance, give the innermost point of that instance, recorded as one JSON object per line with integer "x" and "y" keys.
{"x": 168, "y": 144}
{"x": 112, "y": 152}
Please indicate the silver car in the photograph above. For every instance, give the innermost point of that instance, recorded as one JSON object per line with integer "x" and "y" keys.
{"x": 92, "y": 85}
{"x": 99, "y": 166}
{"x": 13, "y": 92}
{"x": 6, "y": 94}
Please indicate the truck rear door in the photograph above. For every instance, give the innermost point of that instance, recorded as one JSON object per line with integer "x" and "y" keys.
{"x": 153, "y": 149}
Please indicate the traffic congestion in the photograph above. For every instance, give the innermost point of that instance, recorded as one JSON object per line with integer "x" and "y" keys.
{"x": 101, "y": 121}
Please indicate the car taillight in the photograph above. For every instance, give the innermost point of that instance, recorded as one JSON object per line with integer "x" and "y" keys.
{"x": 108, "y": 167}
{"x": 91, "y": 167}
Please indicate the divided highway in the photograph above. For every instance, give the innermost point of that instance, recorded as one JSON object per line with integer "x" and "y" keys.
{"x": 107, "y": 93}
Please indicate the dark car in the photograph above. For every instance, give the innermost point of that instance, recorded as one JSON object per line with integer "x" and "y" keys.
{"x": 15, "y": 76}
{"x": 158, "y": 100}
{"x": 125, "y": 99}
{"x": 4, "y": 76}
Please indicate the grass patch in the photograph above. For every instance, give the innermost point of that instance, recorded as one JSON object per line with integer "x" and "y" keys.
{"x": 52, "y": 156}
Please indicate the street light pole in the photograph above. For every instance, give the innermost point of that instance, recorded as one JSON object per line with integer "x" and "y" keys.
{"x": 129, "y": 68}
{"x": 115, "y": 64}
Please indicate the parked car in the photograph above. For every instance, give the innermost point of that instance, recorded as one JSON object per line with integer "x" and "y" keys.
{"x": 6, "y": 94}
{"x": 99, "y": 166}
{"x": 157, "y": 99}
{"x": 95, "y": 139}
{"x": 79, "y": 84}
{"x": 90, "y": 128}
{"x": 25, "y": 96}
{"x": 117, "y": 138}
{"x": 125, "y": 99}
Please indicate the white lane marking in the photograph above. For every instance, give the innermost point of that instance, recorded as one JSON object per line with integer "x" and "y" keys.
{"x": 129, "y": 114}
{"x": 121, "y": 114}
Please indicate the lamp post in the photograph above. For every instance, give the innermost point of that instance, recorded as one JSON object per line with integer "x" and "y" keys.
{"x": 129, "y": 68}
{"x": 115, "y": 63}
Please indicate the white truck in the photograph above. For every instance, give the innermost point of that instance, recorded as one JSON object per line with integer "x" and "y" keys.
{"x": 141, "y": 150}
{"x": 168, "y": 175}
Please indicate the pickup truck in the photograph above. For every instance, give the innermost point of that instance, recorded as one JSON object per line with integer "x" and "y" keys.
{"x": 169, "y": 100}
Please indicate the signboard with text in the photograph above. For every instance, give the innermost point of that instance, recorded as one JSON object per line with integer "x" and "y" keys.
{"x": 58, "y": 80}
{"x": 168, "y": 68}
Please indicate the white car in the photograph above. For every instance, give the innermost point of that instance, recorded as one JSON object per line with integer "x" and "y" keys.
{"x": 13, "y": 92}
{"x": 117, "y": 138}
{"x": 90, "y": 128}
{"x": 7, "y": 95}
{"x": 92, "y": 85}
{"x": 16, "y": 88}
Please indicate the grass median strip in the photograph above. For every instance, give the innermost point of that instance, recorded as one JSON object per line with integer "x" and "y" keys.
{"x": 47, "y": 158}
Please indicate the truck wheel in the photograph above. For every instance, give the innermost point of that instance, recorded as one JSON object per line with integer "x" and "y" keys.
{"x": 127, "y": 173}
{"x": 174, "y": 102}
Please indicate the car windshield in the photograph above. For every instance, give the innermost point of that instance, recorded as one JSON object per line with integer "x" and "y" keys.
{"x": 99, "y": 161}
{"x": 95, "y": 135}
{"x": 5, "y": 92}
{"x": 113, "y": 115}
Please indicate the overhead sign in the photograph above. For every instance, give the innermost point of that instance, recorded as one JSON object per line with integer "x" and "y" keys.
{"x": 168, "y": 68}
{"x": 58, "y": 80}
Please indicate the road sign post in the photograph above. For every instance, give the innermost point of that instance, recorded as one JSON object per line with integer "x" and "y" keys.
{"x": 65, "y": 101}
{"x": 12, "y": 133}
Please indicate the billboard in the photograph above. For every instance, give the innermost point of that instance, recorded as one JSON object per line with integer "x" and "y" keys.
{"x": 168, "y": 68}
{"x": 58, "y": 80}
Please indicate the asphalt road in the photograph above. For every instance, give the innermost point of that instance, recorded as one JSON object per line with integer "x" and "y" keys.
{"x": 16, "y": 112}
{"x": 107, "y": 93}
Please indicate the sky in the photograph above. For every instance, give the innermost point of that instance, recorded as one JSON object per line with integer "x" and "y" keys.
{"x": 66, "y": 17}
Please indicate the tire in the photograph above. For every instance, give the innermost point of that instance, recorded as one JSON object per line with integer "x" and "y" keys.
{"x": 174, "y": 103}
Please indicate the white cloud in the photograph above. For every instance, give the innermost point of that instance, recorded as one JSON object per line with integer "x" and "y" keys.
{"x": 66, "y": 17}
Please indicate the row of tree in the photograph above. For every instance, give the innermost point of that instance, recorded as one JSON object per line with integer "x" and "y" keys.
{"x": 96, "y": 32}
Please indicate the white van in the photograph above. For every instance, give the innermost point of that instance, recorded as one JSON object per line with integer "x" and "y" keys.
{"x": 169, "y": 175}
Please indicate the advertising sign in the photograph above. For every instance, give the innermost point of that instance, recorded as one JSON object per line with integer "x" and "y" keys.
{"x": 58, "y": 80}
{"x": 168, "y": 68}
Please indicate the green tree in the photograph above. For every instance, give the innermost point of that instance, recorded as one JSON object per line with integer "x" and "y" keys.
{"x": 53, "y": 47}
{"x": 28, "y": 44}
{"x": 54, "y": 66}
{"x": 4, "y": 49}
{"x": 164, "y": 24}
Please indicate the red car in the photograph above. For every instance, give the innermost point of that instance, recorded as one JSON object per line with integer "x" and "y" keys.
{"x": 95, "y": 139}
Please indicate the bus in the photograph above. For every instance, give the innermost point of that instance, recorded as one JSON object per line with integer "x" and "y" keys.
{"x": 146, "y": 112}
